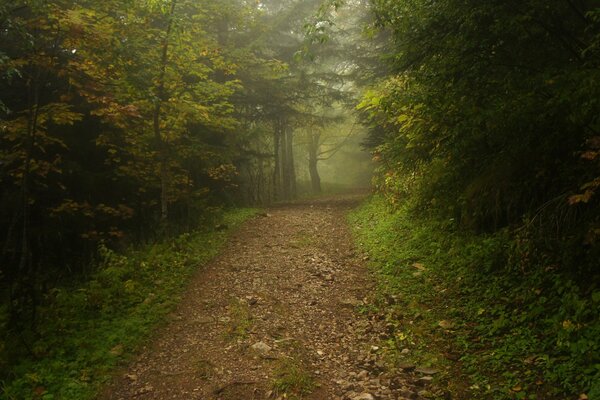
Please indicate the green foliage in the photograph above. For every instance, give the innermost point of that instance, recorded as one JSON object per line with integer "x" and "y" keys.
{"x": 87, "y": 329}
{"x": 488, "y": 107}
{"x": 487, "y": 156}
{"x": 516, "y": 324}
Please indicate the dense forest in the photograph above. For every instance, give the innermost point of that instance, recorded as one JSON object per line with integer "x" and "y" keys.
{"x": 128, "y": 123}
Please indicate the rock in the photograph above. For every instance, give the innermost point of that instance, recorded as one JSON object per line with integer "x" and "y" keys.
{"x": 427, "y": 371}
{"x": 424, "y": 380}
{"x": 251, "y": 300}
{"x": 407, "y": 367}
{"x": 344, "y": 384}
{"x": 363, "y": 374}
{"x": 364, "y": 396}
{"x": 405, "y": 351}
{"x": 351, "y": 302}
{"x": 261, "y": 347}
{"x": 132, "y": 377}
{"x": 146, "y": 389}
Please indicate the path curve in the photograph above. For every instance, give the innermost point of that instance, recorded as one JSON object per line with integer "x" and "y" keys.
{"x": 280, "y": 304}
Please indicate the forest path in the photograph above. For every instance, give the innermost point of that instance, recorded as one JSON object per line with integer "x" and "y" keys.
{"x": 278, "y": 305}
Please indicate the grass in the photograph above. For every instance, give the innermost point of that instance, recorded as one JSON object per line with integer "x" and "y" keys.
{"x": 291, "y": 379}
{"x": 464, "y": 304}
{"x": 87, "y": 331}
{"x": 240, "y": 320}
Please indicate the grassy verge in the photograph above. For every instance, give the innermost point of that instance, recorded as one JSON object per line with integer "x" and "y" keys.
{"x": 86, "y": 331}
{"x": 465, "y": 305}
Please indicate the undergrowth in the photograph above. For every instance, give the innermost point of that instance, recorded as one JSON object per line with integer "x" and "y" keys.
{"x": 84, "y": 332}
{"x": 465, "y": 304}
{"x": 292, "y": 379}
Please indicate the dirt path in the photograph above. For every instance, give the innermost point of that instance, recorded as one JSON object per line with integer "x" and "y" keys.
{"x": 278, "y": 305}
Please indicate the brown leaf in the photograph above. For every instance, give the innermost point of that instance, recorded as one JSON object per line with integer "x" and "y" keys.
{"x": 446, "y": 324}
{"x": 419, "y": 266}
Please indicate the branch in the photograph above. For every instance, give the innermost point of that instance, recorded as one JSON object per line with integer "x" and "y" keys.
{"x": 331, "y": 152}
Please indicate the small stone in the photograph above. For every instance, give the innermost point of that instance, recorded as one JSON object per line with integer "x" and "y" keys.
{"x": 132, "y": 377}
{"x": 363, "y": 396}
{"x": 261, "y": 347}
{"x": 363, "y": 374}
{"x": 407, "y": 367}
{"x": 251, "y": 300}
{"x": 427, "y": 371}
{"x": 146, "y": 389}
{"x": 351, "y": 302}
{"x": 405, "y": 351}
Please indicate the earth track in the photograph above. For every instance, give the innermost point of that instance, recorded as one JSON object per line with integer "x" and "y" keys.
{"x": 274, "y": 316}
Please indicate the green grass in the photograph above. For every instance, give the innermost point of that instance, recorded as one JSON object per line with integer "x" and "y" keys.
{"x": 466, "y": 305}
{"x": 292, "y": 379}
{"x": 87, "y": 331}
{"x": 240, "y": 320}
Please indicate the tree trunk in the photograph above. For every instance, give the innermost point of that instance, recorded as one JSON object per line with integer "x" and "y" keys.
{"x": 285, "y": 165}
{"x": 291, "y": 167}
{"x": 315, "y": 179}
{"x": 277, "y": 166}
{"x": 34, "y": 106}
{"x": 313, "y": 160}
{"x": 156, "y": 117}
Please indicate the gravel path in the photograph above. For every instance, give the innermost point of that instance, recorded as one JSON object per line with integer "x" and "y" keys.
{"x": 275, "y": 316}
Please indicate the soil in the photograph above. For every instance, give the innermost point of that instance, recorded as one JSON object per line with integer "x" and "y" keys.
{"x": 277, "y": 315}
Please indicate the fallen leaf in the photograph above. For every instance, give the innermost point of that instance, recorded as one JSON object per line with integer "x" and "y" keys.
{"x": 419, "y": 266}
{"x": 117, "y": 350}
{"x": 446, "y": 324}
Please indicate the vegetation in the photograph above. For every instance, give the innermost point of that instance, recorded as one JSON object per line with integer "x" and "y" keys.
{"x": 292, "y": 380}
{"x": 485, "y": 134}
{"x": 462, "y": 303}
{"x": 122, "y": 124}
{"x": 125, "y": 123}
{"x": 88, "y": 328}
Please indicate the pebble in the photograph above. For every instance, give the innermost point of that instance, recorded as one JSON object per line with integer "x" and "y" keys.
{"x": 261, "y": 347}
{"x": 427, "y": 371}
{"x": 363, "y": 396}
